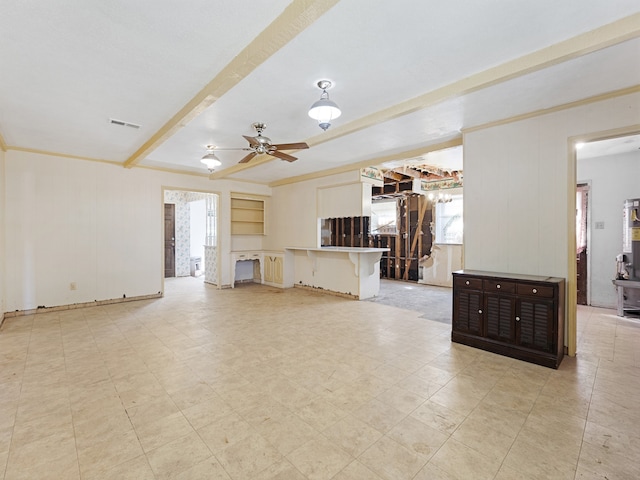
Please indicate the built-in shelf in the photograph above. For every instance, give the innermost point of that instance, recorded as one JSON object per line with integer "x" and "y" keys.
{"x": 247, "y": 216}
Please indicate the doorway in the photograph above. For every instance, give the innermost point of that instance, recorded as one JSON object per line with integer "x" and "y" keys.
{"x": 607, "y": 170}
{"x": 169, "y": 240}
{"x": 190, "y": 234}
{"x": 582, "y": 245}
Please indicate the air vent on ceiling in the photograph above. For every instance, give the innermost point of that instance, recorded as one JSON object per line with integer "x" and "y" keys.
{"x": 122, "y": 123}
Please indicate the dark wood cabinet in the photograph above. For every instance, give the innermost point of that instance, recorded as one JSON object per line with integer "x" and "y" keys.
{"x": 521, "y": 316}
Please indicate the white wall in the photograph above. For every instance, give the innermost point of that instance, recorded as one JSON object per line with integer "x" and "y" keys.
{"x": 347, "y": 200}
{"x": 517, "y": 179}
{"x": 3, "y": 229}
{"x": 439, "y": 267}
{"x": 613, "y": 179}
{"x": 293, "y": 217}
{"x": 96, "y": 224}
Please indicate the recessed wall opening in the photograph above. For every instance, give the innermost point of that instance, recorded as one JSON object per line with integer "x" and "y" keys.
{"x": 417, "y": 214}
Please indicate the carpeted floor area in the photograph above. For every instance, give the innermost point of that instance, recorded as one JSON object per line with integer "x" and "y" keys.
{"x": 434, "y": 303}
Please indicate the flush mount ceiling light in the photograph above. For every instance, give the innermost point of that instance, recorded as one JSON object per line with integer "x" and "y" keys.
{"x": 210, "y": 159}
{"x": 324, "y": 110}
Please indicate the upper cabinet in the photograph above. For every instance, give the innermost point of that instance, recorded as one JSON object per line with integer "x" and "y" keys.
{"x": 247, "y": 216}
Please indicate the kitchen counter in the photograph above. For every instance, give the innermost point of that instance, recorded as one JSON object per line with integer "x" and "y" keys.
{"x": 352, "y": 271}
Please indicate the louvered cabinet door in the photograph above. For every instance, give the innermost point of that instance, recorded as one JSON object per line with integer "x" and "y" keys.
{"x": 535, "y": 325}
{"x": 467, "y": 312}
{"x": 500, "y": 317}
{"x": 521, "y": 316}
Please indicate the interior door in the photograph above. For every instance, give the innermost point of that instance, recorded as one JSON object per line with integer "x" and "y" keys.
{"x": 582, "y": 251}
{"x": 169, "y": 240}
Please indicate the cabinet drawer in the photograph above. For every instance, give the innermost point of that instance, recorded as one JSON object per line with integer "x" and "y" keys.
{"x": 468, "y": 282}
{"x": 499, "y": 286}
{"x": 535, "y": 290}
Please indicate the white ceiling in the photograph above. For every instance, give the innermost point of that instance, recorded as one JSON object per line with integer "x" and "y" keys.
{"x": 407, "y": 75}
{"x": 610, "y": 146}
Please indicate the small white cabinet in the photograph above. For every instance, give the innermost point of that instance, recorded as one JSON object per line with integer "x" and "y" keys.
{"x": 268, "y": 267}
{"x": 273, "y": 269}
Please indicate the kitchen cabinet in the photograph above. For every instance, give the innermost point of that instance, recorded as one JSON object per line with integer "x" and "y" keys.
{"x": 273, "y": 269}
{"x": 521, "y": 316}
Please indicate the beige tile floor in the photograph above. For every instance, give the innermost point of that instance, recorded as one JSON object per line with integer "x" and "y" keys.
{"x": 258, "y": 383}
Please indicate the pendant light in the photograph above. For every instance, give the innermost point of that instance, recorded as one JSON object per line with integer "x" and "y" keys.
{"x": 324, "y": 110}
{"x": 210, "y": 159}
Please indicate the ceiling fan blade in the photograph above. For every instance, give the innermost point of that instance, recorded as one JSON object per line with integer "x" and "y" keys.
{"x": 291, "y": 146}
{"x": 248, "y": 157}
{"x": 283, "y": 156}
{"x": 252, "y": 141}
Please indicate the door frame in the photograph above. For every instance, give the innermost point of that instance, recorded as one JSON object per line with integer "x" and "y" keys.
{"x": 572, "y": 180}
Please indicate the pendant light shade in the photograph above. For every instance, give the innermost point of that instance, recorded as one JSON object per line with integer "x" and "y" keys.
{"x": 210, "y": 159}
{"x": 324, "y": 110}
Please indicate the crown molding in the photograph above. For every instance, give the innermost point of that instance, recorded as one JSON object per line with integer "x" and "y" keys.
{"x": 565, "y": 106}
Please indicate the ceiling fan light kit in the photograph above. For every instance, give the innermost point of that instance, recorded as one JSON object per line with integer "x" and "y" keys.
{"x": 258, "y": 145}
{"x": 324, "y": 110}
{"x": 210, "y": 159}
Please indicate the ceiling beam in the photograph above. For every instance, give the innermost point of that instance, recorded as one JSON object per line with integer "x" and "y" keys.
{"x": 398, "y": 177}
{"x": 408, "y": 171}
{"x": 291, "y": 22}
{"x": 588, "y": 42}
{"x": 598, "y": 39}
{"x": 454, "y": 142}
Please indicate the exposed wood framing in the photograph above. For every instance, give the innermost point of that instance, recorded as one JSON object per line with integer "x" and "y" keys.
{"x": 417, "y": 235}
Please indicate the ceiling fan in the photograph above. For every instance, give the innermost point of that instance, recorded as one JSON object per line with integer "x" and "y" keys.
{"x": 262, "y": 145}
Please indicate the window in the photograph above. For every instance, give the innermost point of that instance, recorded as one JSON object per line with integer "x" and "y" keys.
{"x": 448, "y": 224}
{"x": 384, "y": 217}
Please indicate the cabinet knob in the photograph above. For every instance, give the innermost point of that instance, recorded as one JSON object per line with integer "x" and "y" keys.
{"x": 517, "y": 319}
{"x": 535, "y": 290}
{"x": 467, "y": 282}
{"x": 498, "y": 286}
{"x": 479, "y": 311}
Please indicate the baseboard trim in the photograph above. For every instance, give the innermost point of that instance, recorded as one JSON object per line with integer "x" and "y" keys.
{"x": 324, "y": 290}
{"x": 73, "y": 306}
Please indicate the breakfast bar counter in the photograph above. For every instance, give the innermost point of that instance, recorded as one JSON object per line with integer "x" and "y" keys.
{"x": 352, "y": 271}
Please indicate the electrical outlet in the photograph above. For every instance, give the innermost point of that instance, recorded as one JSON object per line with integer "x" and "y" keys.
{"x": 599, "y": 225}
{"x": 73, "y": 286}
